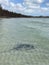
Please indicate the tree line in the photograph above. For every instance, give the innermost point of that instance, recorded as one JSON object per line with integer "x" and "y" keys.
{"x": 6, "y": 13}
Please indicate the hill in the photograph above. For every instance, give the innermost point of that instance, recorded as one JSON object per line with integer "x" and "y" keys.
{"x": 5, "y": 13}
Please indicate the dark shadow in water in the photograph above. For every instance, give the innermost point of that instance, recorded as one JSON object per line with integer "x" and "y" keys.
{"x": 20, "y": 47}
{"x": 23, "y": 47}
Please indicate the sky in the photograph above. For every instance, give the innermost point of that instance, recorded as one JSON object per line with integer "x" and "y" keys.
{"x": 27, "y": 7}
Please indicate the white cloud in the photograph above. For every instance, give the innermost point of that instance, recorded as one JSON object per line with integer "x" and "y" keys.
{"x": 28, "y": 10}
{"x": 17, "y": 6}
{"x": 27, "y": 7}
{"x": 12, "y": 4}
{"x": 33, "y": 1}
{"x": 47, "y": 4}
{"x": 40, "y": 1}
{"x": 44, "y": 9}
{"x": 34, "y": 6}
{"x": 5, "y": 2}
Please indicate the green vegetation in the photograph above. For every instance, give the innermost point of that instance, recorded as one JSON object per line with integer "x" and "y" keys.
{"x": 7, "y": 14}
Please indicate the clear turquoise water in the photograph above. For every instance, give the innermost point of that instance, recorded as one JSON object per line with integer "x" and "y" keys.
{"x": 33, "y": 31}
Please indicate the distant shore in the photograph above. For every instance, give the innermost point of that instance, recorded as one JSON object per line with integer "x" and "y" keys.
{"x": 25, "y": 17}
{"x": 7, "y": 14}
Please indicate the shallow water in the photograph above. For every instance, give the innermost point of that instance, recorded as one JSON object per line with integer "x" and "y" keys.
{"x": 24, "y": 31}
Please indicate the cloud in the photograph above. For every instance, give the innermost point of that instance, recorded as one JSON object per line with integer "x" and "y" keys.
{"x": 16, "y": 7}
{"x": 44, "y": 9}
{"x": 47, "y": 4}
{"x": 28, "y": 11}
{"x": 5, "y": 2}
{"x": 32, "y": 4}
{"x": 28, "y": 7}
{"x": 11, "y": 6}
{"x": 19, "y": 6}
{"x": 34, "y": 7}
{"x": 33, "y": 1}
{"x": 40, "y": 1}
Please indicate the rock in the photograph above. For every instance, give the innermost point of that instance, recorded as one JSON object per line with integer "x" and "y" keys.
{"x": 24, "y": 46}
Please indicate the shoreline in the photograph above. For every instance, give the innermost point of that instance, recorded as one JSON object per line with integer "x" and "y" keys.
{"x": 25, "y": 17}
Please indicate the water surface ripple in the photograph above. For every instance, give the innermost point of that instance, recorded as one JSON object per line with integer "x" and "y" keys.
{"x": 24, "y": 41}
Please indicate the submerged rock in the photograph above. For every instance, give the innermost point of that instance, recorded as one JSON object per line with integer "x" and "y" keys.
{"x": 23, "y": 47}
